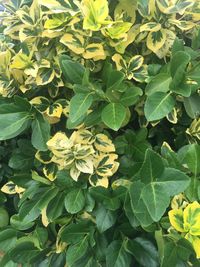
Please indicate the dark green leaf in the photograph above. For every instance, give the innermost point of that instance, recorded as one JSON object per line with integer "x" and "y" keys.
{"x": 113, "y": 115}
{"x": 40, "y": 132}
{"x": 75, "y": 201}
{"x": 158, "y": 105}
{"x": 79, "y": 105}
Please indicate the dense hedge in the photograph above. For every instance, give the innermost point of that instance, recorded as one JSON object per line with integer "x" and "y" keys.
{"x": 100, "y": 130}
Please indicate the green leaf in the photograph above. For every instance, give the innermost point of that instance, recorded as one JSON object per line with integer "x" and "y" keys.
{"x": 75, "y": 232}
{"x": 159, "y": 83}
{"x": 24, "y": 252}
{"x": 102, "y": 195}
{"x": 105, "y": 219}
{"x": 190, "y": 156}
{"x": 19, "y": 224}
{"x": 72, "y": 70}
{"x": 116, "y": 256}
{"x": 113, "y": 115}
{"x": 75, "y": 201}
{"x": 13, "y": 120}
{"x": 192, "y": 106}
{"x": 170, "y": 255}
{"x": 55, "y": 207}
{"x": 130, "y": 96}
{"x": 8, "y": 238}
{"x": 79, "y": 105}
{"x": 77, "y": 251}
{"x": 156, "y": 200}
{"x": 40, "y": 132}
{"x": 152, "y": 167}
{"x": 178, "y": 66}
{"x": 114, "y": 79}
{"x": 158, "y": 105}
{"x": 173, "y": 181}
{"x": 134, "y": 222}
{"x": 143, "y": 251}
{"x": 4, "y": 217}
{"x": 31, "y": 209}
{"x": 137, "y": 204}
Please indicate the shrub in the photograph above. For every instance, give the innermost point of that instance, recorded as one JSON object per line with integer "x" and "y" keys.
{"x": 100, "y": 130}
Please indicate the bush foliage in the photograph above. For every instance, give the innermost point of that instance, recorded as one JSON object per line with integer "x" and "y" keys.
{"x": 99, "y": 133}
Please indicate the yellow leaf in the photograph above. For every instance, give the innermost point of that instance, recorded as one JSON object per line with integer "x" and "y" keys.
{"x": 74, "y": 173}
{"x": 45, "y": 76}
{"x": 151, "y": 27}
{"x": 155, "y": 40}
{"x": 95, "y": 13}
{"x": 191, "y": 216}
{"x": 35, "y": 11}
{"x": 20, "y": 61}
{"x": 82, "y": 136}
{"x": 5, "y": 58}
{"x": 19, "y": 190}
{"x": 54, "y": 110}
{"x": 73, "y": 42}
{"x": 135, "y": 63}
{"x": 176, "y": 219}
{"x": 9, "y": 188}
{"x": 126, "y": 10}
{"x": 50, "y": 171}
{"x": 52, "y": 33}
{"x": 45, "y": 220}
{"x": 39, "y": 100}
{"x": 85, "y": 165}
{"x": 182, "y": 24}
{"x": 118, "y": 30}
{"x": 195, "y": 241}
{"x": 103, "y": 143}
{"x": 82, "y": 151}
{"x": 164, "y": 50}
{"x": 131, "y": 35}
{"x": 59, "y": 142}
{"x": 43, "y": 156}
{"x": 95, "y": 51}
{"x": 105, "y": 164}
{"x": 119, "y": 61}
{"x": 104, "y": 182}
{"x": 121, "y": 182}
{"x": 53, "y": 4}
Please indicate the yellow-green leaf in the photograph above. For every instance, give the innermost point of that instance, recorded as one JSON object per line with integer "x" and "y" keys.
{"x": 95, "y": 13}
{"x": 126, "y": 10}
{"x": 150, "y": 27}
{"x": 85, "y": 165}
{"x": 20, "y": 61}
{"x": 176, "y": 219}
{"x": 155, "y": 40}
{"x": 104, "y": 144}
{"x": 192, "y": 218}
{"x": 45, "y": 76}
{"x": 195, "y": 241}
{"x": 118, "y": 30}
{"x": 95, "y": 51}
{"x": 73, "y": 42}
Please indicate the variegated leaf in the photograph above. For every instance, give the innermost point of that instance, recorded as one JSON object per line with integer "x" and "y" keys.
{"x": 45, "y": 76}
{"x": 85, "y": 165}
{"x": 155, "y": 40}
{"x": 176, "y": 219}
{"x": 191, "y": 217}
{"x": 150, "y": 27}
{"x": 104, "y": 144}
{"x": 95, "y": 13}
{"x": 73, "y": 42}
{"x": 95, "y": 51}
